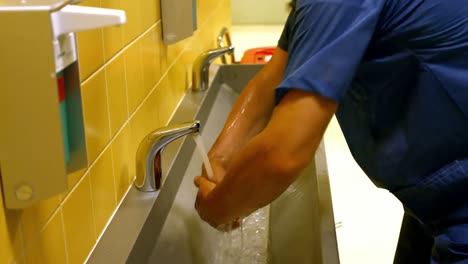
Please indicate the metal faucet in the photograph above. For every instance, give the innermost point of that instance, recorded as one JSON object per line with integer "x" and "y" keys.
{"x": 148, "y": 157}
{"x": 200, "y": 76}
{"x": 224, "y": 34}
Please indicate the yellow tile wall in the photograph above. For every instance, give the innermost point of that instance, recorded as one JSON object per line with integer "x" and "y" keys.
{"x": 131, "y": 84}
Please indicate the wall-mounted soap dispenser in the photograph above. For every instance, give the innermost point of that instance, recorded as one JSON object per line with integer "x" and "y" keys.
{"x": 41, "y": 120}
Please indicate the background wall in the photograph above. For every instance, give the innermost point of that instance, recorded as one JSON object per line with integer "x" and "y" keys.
{"x": 131, "y": 84}
{"x": 259, "y": 11}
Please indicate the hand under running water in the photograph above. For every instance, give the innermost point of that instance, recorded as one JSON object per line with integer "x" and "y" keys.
{"x": 205, "y": 186}
{"x": 207, "y": 209}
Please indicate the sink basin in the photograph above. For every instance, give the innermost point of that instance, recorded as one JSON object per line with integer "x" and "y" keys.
{"x": 163, "y": 227}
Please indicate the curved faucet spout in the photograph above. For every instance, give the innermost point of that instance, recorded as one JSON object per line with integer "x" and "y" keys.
{"x": 224, "y": 34}
{"x": 148, "y": 157}
{"x": 200, "y": 76}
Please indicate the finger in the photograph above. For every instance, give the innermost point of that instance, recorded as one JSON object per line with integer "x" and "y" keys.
{"x": 205, "y": 186}
{"x": 197, "y": 181}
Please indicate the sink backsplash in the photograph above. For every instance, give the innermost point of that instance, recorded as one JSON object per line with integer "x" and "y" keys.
{"x": 131, "y": 83}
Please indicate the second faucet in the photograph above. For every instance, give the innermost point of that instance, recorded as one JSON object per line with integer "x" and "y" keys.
{"x": 201, "y": 66}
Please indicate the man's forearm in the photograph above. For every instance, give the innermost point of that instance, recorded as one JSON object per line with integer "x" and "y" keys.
{"x": 252, "y": 110}
{"x": 261, "y": 170}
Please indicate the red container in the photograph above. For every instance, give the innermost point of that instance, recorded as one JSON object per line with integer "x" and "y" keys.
{"x": 257, "y": 55}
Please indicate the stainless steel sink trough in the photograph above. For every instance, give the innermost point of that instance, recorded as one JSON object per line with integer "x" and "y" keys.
{"x": 163, "y": 227}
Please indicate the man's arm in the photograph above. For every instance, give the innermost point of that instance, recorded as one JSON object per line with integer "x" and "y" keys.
{"x": 270, "y": 161}
{"x": 322, "y": 60}
{"x": 250, "y": 113}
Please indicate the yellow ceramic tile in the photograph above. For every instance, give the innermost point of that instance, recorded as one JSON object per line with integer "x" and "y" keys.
{"x": 134, "y": 69}
{"x": 49, "y": 247}
{"x": 113, "y": 41}
{"x": 117, "y": 90}
{"x": 178, "y": 79}
{"x": 124, "y": 161}
{"x": 96, "y": 118}
{"x": 95, "y": 3}
{"x": 103, "y": 189}
{"x": 173, "y": 51}
{"x": 201, "y": 13}
{"x": 11, "y": 246}
{"x": 144, "y": 121}
{"x": 80, "y": 233}
{"x": 133, "y": 146}
{"x": 149, "y": 13}
{"x": 21, "y": 259}
{"x": 35, "y": 217}
{"x": 205, "y": 10}
{"x": 189, "y": 56}
{"x": 161, "y": 52}
{"x": 74, "y": 177}
{"x": 164, "y": 101}
{"x": 149, "y": 56}
{"x": 207, "y": 40}
{"x": 90, "y": 51}
{"x": 132, "y": 29}
{"x": 113, "y": 36}
{"x": 151, "y": 107}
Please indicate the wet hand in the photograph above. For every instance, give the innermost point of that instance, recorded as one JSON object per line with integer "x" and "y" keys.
{"x": 219, "y": 166}
{"x": 207, "y": 208}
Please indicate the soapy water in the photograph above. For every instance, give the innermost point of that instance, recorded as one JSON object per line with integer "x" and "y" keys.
{"x": 246, "y": 244}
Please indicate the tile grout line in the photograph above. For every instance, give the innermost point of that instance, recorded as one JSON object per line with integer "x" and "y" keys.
{"x": 130, "y": 116}
{"x": 149, "y": 93}
{"x": 126, "y": 86}
{"x": 87, "y": 171}
{"x": 109, "y": 117}
{"x": 120, "y": 129}
{"x": 107, "y": 86}
{"x": 125, "y": 123}
{"x": 26, "y": 246}
{"x": 113, "y": 174}
{"x": 93, "y": 212}
{"x": 36, "y": 236}
{"x": 120, "y": 52}
{"x": 23, "y": 243}
{"x": 157, "y": 83}
{"x": 67, "y": 257}
{"x": 108, "y": 223}
{"x": 103, "y": 68}
{"x": 152, "y": 89}
{"x": 126, "y": 47}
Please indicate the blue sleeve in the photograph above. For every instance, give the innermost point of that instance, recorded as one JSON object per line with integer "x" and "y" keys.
{"x": 284, "y": 39}
{"x": 326, "y": 42}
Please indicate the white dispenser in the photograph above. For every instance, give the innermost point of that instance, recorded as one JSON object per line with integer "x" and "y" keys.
{"x": 41, "y": 119}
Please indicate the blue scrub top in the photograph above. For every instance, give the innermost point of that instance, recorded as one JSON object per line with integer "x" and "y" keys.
{"x": 399, "y": 71}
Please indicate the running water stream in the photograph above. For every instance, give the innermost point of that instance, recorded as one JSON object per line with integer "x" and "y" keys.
{"x": 203, "y": 153}
{"x": 249, "y": 242}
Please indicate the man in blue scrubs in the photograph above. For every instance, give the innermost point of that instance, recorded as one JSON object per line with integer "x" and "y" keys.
{"x": 395, "y": 73}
